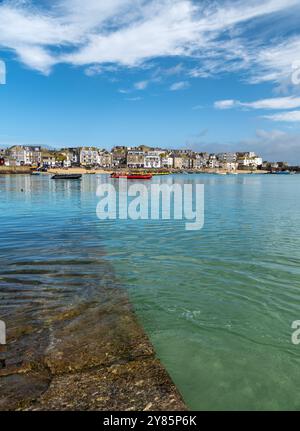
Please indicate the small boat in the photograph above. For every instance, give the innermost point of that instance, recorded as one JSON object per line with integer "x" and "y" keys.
{"x": 161, "y": 173}
{"x": 66, "y": 177}
{"x": 35, "y": 173}
{"x": 132, "y": 176}
{"x": 283, "y": 173}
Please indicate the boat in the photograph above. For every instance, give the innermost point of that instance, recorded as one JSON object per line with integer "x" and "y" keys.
{"x": 66, "y": 177}
{"x": 283, "y": 173}
{"x": 132, "y": 176}
{"x": 35, "y": 173}
{"x": 161, "y": 173}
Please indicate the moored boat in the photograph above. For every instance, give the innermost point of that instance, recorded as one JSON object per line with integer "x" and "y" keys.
{"x": 66, "y": 177}
{"x": 132, "y": 176}
{"x": 283, "y": 173}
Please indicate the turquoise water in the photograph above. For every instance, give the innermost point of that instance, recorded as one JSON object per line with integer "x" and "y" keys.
{"x": 217, "y": 303}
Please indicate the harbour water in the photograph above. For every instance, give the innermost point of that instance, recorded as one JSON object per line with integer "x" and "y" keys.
{"x": 217, "y": 303}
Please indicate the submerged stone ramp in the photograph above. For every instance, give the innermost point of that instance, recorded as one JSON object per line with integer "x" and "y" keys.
{"x": 95, "y": 357}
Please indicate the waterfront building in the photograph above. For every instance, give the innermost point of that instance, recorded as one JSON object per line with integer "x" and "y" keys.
{"x": 89, "y": 156}
{"x": 105, "y": 159}
{"x": 187, "y": 161}
{"x": 213, "y": 162}
{"x": 177, "y": 162}
{"x": 248, "y": 160}
{"x": 274, "y": 165}
{"x": 2, "y": 157}
{"x": 72, "y": 157}
{"x": 166, "y": 161}
{"x": 152, "y": 159}
{"x": 135, "y": 159}
{"x": 48, "y": 159}
{"x": 228, "y": 166}
{"x": 200, "y": 160}
{"x": 26, "y": 155}
{"x": 119, "y": 156}
{"x": 227, "y": 157}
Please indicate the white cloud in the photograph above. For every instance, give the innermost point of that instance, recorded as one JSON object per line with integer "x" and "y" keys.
{"x": 130, "y": 32}
{"x": 181, "y": 85}
{"x": 225, "y": 104}
{"x": 289, "y": 102}
{"x": 141, "y": 85}
{"x": 276, "y": 63}
{"x": 287, "y": 117}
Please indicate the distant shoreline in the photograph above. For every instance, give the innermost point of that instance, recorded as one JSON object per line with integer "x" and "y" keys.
{"x": 16, "y": 170}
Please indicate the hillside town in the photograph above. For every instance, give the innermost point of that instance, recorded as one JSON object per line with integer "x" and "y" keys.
{"x": 142, "y": 157}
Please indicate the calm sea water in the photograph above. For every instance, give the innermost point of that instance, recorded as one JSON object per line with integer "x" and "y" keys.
{"x": 217, "y": 303}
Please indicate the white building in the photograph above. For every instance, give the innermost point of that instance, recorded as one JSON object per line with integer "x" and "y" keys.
{"x": 48, "y": 159}
{"x": 229, "y": 166}
{"x": 26, "y": 155}
{"x": 152, "y": 160}
{"x": 72, "y": 157}
{"x": 200, "y": 161}
{"x": 89, "y": 156}
{"x": 167, "y": 161}
{"x": 227, "y": 157}
{"x": 249, "y": 160}
{"x": 213, "y": 162}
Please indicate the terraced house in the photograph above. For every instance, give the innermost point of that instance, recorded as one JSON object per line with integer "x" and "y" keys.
{"x": 135, "y": 159}
{"x": 248, "y": 160}
{"x": 26, "y": 155}
{"x": 89, "y": 156}
{"x": 152, "y": 159}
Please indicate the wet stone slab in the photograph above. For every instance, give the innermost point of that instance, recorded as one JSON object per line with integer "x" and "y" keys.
{"x": 95, "y": 357}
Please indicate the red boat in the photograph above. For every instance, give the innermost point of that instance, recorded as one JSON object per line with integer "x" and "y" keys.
{"x": 132, "y": 176}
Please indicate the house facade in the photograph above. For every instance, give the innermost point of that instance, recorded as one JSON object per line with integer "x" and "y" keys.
{"x": 167, "y": 161}
{"x": 135, "y": 159}
{"x": 152, "y": 160}
{"x": 248, "y": 160}
{"x": 105, "y": 159}
{"x": 26, "y": 155}
{"x": 177, "y": 162}
{"x": 48, "y": 159}
{"x": 89, "y": 156}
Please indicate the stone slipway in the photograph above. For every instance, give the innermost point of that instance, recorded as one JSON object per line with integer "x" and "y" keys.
{"x": 96, "y": 358}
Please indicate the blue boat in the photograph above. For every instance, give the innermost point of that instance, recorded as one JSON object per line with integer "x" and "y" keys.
{"x": 282, "y": 173}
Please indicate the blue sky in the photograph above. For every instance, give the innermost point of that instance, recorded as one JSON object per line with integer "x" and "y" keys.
{"x": 208, "y": 75}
